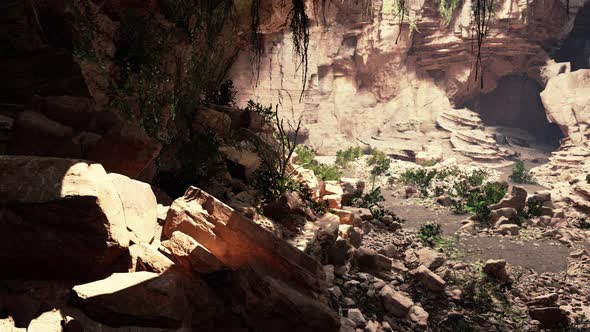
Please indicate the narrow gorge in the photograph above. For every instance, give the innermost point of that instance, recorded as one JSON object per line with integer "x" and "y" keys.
{"x": 294, "y": 165}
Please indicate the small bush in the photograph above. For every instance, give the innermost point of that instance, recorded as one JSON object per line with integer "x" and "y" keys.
{"x": 520, "y": 174}
{"x": 344, "y": 157}
{"x": 419, "y": 177}
{"x": 270, "y": 185}
{"x": 368, "y": 200}
{"x": 478, "y": 200}
{"x": 430, "y": 163}
{"x": 380, "y": 162}
{"x": 305, "y": 158}
{"x": 266, "y": 113}
{"x": 429, "y": 233}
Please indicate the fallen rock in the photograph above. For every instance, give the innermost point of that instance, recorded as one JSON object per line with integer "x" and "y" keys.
{"x": 429, "y": 279}
{"x": 508, "y": 213}
{"x": 502, "y": 221}
{"x": 515, "y": 199}
{"x": 357, "y": 317}
{"x": 509, "y": 229}
{"x": 496, "y": 268}
{"x": 354, "y": 235}
{"x": 394, "y": 302}
{"x": 189, "y": 254}
{"x": 346, "y": 217}
{"x": 430, "y": 258}
{"x": 145, "y": 257}
{"x": 73, "y": 220}
{"x": 549, "y": 317}
{"x": 239, "y": 243}
{"x": 419, "y": 316}
{"x": 547, "y": 300}
{"x": 140, "y": 298}
{"x": 369, "y": 260}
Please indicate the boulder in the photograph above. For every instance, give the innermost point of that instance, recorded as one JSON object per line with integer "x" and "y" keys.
{"x": 509, "y": 229}
{"x": 430, "y": 258}
{"x": 547, "y": 300}
{"x": 49, "y": 321}
{"x": 508, "y": 213}
{"x": 189, "y": 254}
{"x": 240, "y": 243}
{"x": 332, "y": 188}
{"x": 350, "y": 187}
{"x": 429, "y": 279}
{"x": 515, "y": 199}
{"x": 346, "y": 217}
{"x": 71, "y": 218}
{"x": 395, "y": 303}
{"x": 354, "y": 235}
{"x": 340, "y": 252}
{"x": 371, "y": 261}
{"x": 496, "y": 268}
{"x": 549, "y": 317}
{"x": 357, "y": 317}
{"x": 140, "y": 298}
{"x": 502, "y": 221}
{"x": 362, "y": 213}
{"x": 287, "y": 205}
{"x": 419, "y": 316}
{"x": 145, "y": 257}
{"x": 334, "y": 201}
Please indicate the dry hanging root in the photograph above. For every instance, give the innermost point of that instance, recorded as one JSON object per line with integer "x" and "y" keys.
{"x": 482, "y": 15}
{"x": 299, "y": 27}
{"x": 256, "y": 38}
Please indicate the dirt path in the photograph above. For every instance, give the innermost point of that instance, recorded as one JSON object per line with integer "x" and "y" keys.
{"x": 539, "y": 255}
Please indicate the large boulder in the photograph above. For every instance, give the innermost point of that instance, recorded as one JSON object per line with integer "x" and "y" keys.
{"x": 567, "y": 102}
{"x": 240, "y": 243}
{"x": 515, "y": 199}
{"x": 68, "y": 218}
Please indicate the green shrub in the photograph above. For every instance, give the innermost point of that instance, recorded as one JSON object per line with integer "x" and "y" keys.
{"x": 349, "y": 155}
{"x": 429, "y": 233}
{"x": 520, "y": 174}
{"x": 419, "y": 177}
{"x": 270, "y": 185}
{"x": 265, "y": 112}
{"x": 225, "y": 95}
{"x": 478, "y": 200}
{"x": 306, "y": 158}
{"x": 380, "y": 162}
{"x": 430, "y": 163}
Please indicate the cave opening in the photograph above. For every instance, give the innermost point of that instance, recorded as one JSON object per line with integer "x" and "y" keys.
{"x": 516, "y": 103}
{"x": 576, "y": 47}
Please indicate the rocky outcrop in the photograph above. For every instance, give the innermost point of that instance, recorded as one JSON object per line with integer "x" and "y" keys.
{"x": 69, "y": 218}
{"x": 567, "y": 102}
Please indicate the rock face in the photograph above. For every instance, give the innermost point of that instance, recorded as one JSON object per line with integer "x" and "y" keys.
{"x": 402, "y": 78}
{"x": 69, "y": 218}
{"x": 567, "y": 102}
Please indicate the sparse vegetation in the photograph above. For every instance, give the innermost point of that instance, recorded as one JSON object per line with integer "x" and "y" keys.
{"x": 447, "y": 8}
{"x": 520, "y": 174}
{"x": 380, "y": 162}
{"x": 581, "y": 222}
{"x": 429, "y": 234}
{"x": 305, "y": 158}
{"x": 344, "y": 157}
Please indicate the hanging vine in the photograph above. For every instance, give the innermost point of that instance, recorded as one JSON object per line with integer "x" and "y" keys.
{"x": 299, "y": 27}
{"x": 482, "y": 15}
{"x": 256, "y": 37}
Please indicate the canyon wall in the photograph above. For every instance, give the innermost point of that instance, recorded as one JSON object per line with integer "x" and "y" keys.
{"x": 371, "y": 77}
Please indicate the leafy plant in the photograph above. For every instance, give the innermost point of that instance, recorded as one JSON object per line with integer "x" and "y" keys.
{"x": 447, "y": 8}
{"x": 520, "y": 174}
{"x": 419, "y": 177}
{"x": 430, "y": 163}
{"x": 344, "y": 157}
{"x": 478, "y": 200}
{"x": 265, "y": 112}
{"x": 270, "y": 185}
{"x": 305, "y": 158}
{"x": 429, "y": 233}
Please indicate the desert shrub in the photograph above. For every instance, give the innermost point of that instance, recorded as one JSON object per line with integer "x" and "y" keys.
{"x": 367, "y": 200}
{"x": 270, "y": 185}
{"x": 477, "y": 177}
{"x": 478, "y": 200}
{"x": 419, "y": 177}
{"x": 306, "y": 158}
{"x": 429, "y": 233}
{"x": 265, "y": 112}
{"x": 343, "y": 157}
{"x": 532, "y": 209}
{"x": 520, "y": 174}
{"x": 380, "y": 162}
{"x": 430, "y": 163}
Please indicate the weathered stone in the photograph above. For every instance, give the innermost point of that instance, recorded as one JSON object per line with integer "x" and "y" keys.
{"x": 496, "y": 268}
{"x": 346, "y": 217}
{"x": 430, "y": 258}
{"x": 71, "y": 218}
{"x": 515, "y": 199}
{"x": 549, "y": 317}
{"x": 340, "y": 252}
{"x": 369, "y": 260}
{"x": 49, "y": 321}
{"x": 502, "y": 221}
{"x": 394, "y": 302}
{"x": 508, "y": 213}
{"x": 139, "y": 298}
{"x": 357, "y": 317}
{"x": 547, "y": 300}
{"x": 509, "y": 229}
{"x": 145, "y": 257}
{"x": 238, "y": 242}
{"x": 354, "y": 235}
{"x": 189, "y": 254}
{"x": 429, "y": 279}
{"x": 419, "y": 316}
